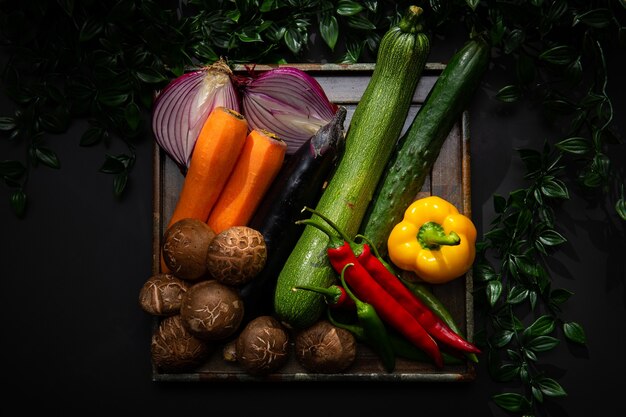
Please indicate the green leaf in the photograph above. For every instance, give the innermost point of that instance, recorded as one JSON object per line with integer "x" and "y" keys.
{"x": 550, "y": 387}
{"x": 620, "y": 208}
{"x": 554, "y": 188}
{"x": 484, "y": 272}
{"x": 293, "y": 40}
{"x": 360, "y": 22}
{"x": 348, "y": 8}
{"x": 560, "y": 295}
{"x": 558, "y": 55}
{"x": 472, "y": 3}
{"x": 542, "y": 343}
{"x": 89, "y": 30}
{"x": 575, "y": 332}
{"x": 509, "y": 94}
{"x": 92, "y": 136}
{"x": 499, "y": 203}
{"x": 112, "y": 165}
{"x": 47, "y": 157}
{"x": 329, "y": 30}
{"x": 551, "y": 237}
{"x": 513, "y": 41}
{"x": 150, "y": 76}
{"x": 494, "y": 289}
{"x": 18, "y": 202}
{"x": 502, "y": 337}
{"x": 112, "y": 98}
{"x": 543, "y": 326}
{"x": 7, "y": 123}
{"x": 517, "y": 294}
{"x": 597, "y": 18}
{"x": 511, "y": 401}
{"x": 12, "y": 169}
{"x": 119, "y": 183}
{"x": 132, "y": 115}
{"x": 575, "y": 145}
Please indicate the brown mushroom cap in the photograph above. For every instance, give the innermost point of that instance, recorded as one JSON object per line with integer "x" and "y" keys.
{"x": 161, "y": 294}
{"x": 211, "y": 310}
{"x": 174, "y": 349}
{"x": 236, "y": 255}
{"x": 325, "y": 348}
{"x": 185, "y": 245}
{"x": 262, "y": 346}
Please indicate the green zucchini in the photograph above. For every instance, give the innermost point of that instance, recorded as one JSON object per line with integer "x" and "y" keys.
{"x": 419, "y": 147}
{"x": 373, "y": 131}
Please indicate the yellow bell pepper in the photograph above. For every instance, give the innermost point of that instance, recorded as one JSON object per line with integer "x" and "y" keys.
{"x": 433, "y": 240}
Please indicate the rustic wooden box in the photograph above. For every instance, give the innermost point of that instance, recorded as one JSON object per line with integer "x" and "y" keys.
{"x": 449, "y": 178}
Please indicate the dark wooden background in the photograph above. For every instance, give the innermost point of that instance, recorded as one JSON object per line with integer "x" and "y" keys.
{"x": 75, "y": 341}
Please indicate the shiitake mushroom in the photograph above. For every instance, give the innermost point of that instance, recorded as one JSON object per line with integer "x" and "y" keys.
{"x": 211, "y": 310}
{"x": 184, "y": 248}
{"x": 262, "y": 346}
{"x": 236, "y": 255}
{"x": 174, "y": 348}
{"x": 161, "y": 294}
{"x": 325, "y": 348}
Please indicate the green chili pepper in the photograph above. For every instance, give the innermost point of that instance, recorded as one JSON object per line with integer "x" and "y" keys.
{"x": 374, "y": 330}
{"x": 401, "y": 347}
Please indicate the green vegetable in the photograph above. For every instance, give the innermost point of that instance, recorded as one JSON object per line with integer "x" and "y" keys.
{"x": 374, "y": 329}
{"x": 375, "y": 127}
{"x": 419, "y": 147}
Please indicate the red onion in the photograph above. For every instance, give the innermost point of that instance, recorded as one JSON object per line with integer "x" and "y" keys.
{"x": 287, "y": 102}
{"x": 182, "y": 107}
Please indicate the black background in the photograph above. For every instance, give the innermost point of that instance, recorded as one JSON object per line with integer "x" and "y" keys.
{"x": 75, "y": 341}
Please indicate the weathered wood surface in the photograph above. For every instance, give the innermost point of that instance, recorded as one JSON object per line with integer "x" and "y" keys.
{"x": 449, "y": 178}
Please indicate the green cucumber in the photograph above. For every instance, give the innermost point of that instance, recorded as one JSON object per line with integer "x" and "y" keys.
{"x": 419, "y": 147}
{"x": 370, "y": 139}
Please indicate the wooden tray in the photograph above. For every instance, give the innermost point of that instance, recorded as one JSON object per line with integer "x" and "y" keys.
{"x": 449, "y": 178}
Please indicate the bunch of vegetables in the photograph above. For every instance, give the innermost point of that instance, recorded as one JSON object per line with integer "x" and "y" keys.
{"x": 255, "y": 151}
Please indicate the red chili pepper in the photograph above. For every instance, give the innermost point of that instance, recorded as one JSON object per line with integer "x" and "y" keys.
{"x": 382, "y": 273}
{"x": 433, "y": 324}
{"x": 368, "y": 290}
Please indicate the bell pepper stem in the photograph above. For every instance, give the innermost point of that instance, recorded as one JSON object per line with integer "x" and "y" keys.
{"x": 431, "y": 236}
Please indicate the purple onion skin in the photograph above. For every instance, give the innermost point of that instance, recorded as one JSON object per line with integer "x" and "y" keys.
{"x": 175, "y": 123}
{"x": 288, "y": 102}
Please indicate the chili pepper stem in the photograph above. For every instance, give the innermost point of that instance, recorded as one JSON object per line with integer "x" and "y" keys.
{"x": 431, "y": 235}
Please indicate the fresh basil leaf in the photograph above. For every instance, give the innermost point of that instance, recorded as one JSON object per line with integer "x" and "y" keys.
{"x": 502, "y": 337}
{"x": 112, "y": 165}
{"x": 293, "y": 40}
{"x": 484, "y": 272}
{"x": 517, "y": 294}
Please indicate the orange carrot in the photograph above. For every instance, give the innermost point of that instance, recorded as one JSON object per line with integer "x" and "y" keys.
{"x": 214, "y": 156}
{"x": 258, "y": 164}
